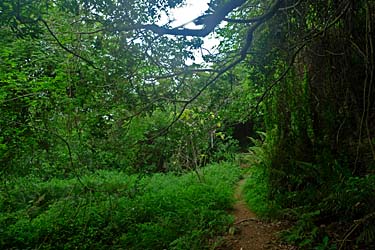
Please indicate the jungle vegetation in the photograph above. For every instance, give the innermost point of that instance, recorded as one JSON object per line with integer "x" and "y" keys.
{"x": 112, "y": 136}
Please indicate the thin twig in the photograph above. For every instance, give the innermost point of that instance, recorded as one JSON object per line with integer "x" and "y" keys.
{"x": 66, "y": 48}
{"x": 245, "y": 220}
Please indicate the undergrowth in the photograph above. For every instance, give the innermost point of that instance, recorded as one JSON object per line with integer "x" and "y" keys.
{"x": 112, "y": 210}
{"x": 257, "y": 188}
{"x": 338, "y": 214}
{"x": 256, "y": 194}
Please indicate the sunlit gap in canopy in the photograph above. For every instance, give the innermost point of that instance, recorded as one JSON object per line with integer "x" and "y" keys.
{"x": 183, "y": 16}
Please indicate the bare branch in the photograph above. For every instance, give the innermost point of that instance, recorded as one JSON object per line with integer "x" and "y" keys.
{"x": 244, "y": 21}
{"x": 66, "y": 48}
{"x": 182, "y": 72}
{"x": 91, "y": 32}
{"x": 210, "y": 22}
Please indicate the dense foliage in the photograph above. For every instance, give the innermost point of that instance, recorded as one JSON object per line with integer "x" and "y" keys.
{"x": 91, "y": 90}
{"x": 320, "y": 156}
{"x": 112, "y": 209}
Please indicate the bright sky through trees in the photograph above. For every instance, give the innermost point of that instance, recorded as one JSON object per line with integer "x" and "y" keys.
{"x": 185, "y": 15}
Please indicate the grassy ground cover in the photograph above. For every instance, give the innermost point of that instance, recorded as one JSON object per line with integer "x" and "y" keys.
{"x": 112, "y": 210}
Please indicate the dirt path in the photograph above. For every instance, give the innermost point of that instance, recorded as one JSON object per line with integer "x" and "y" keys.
{"x": 248, "y": 232}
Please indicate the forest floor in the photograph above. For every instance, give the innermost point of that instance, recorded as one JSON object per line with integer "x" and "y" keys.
{"x": 249, "y": 232}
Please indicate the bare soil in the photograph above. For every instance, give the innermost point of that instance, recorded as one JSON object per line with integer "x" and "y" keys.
{"x": 250, "y": 233}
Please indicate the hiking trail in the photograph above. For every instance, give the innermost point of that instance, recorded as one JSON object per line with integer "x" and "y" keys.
{"x": 248, "y": 232}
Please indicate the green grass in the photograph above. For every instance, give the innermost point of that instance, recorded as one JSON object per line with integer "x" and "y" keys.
{"x": 256, "y": 192}
{"x": 112, "y": 210}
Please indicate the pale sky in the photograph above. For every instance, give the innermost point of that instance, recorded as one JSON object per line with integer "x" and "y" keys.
{"x": 188, "y": 12}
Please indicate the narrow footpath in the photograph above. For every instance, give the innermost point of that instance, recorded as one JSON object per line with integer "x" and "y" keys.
{"x": 248, "y": 232}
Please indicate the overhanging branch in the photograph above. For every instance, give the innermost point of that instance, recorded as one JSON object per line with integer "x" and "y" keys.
{"x": 66, "y": 48}
{"x": 210, "y": 21}
{"x": 248, "y": 41}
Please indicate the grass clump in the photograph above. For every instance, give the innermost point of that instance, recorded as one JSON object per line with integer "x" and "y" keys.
{"x": 256, "y": 192}
{"x": 112, "y": 210}
{"x": 257, "y": 189}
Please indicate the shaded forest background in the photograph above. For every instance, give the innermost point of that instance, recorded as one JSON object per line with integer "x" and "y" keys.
{"x": 88, "y": 86}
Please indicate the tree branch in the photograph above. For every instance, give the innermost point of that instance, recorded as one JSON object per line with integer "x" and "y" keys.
{"x": 270, "y": 12}
{"x": 210, "y": 22}
{"x": 182, "y": 72}
{"x": 248, "y": 41}
{"x": 66, "y": 48}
